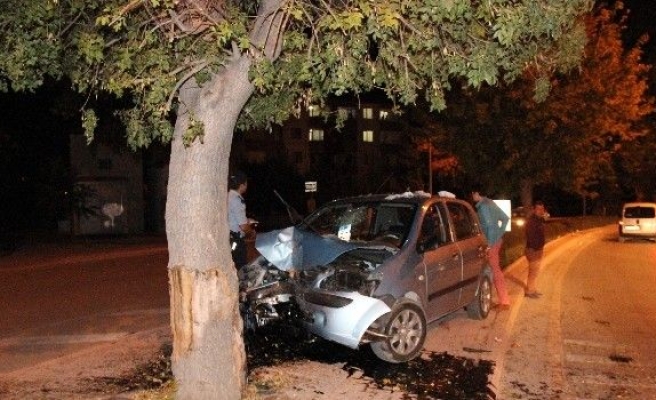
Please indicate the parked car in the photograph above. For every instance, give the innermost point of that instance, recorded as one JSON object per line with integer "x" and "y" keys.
{"x": 638, "y": 220}
{"x": 372, "y": 270}
{"x": 521, "y": 214}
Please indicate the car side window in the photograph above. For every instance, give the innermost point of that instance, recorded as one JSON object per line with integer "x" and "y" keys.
{"x": 434, "y": 227}
{"x": 464, "y": 225}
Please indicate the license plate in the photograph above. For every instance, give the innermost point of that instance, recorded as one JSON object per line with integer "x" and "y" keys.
{"x": 631, "y": 228}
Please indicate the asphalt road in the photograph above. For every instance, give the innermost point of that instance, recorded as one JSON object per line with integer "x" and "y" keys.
{"x": 589, "y": 337}
{"x": 57, "y": 299}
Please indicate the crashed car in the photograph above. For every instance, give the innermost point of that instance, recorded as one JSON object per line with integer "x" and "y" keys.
{"x": 372, "y": 270}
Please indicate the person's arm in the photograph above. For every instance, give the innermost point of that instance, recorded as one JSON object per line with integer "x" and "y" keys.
{"x": 504, "y": 218}
{"x": 248, "y": 227}
{"x": 237, "y": 209}
{"x": 485, "y": 219}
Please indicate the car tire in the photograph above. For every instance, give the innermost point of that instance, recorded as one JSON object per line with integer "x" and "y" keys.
{"x": 405, "y": 328}
{"x": 479, "y": 308}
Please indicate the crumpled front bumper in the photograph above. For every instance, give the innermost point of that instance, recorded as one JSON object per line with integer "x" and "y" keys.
{"x": 341, "y": 317}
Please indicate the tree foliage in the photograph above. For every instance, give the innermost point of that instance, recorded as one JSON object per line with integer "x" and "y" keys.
{"x": 594, "y": 112}
{"x": 213, "y": 65}
{"x": 571, "y": 138}
{"x": 147, "y": 48}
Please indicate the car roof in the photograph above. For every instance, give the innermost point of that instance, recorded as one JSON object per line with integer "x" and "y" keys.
{"x": 407, "y": 197}
{"x": 640, "y": 204}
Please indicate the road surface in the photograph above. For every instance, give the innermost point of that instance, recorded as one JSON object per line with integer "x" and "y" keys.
{"x": 591, "y": 336}
{"x": 56, "y": 301}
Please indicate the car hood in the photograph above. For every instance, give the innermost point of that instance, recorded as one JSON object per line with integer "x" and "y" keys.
{"x": 300, "y": 249}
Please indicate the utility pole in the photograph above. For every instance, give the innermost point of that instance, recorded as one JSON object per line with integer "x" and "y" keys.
{"x": 430, "y": 167}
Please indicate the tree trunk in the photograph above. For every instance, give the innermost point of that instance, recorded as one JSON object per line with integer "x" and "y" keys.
{"x": 526, "y": 192}
{"x": 209, "y": 361}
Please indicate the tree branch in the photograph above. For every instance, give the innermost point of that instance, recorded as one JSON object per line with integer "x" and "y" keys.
{"x": 200, "y": 65}
{"x": 268, "y": 29}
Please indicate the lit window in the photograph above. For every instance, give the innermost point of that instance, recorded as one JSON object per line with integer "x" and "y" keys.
{"x": 367, "y": 136}
{"x": 316, "y": 135}
{"x": 383, "y": 114}
{"x": 368, "y": 113}
{"x": 314, "y": 111}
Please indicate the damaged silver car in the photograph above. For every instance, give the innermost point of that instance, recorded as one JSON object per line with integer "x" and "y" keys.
{"x": 372, "y": 270}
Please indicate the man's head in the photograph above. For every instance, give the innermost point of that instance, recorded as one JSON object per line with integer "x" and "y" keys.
{"x": 539, "y": 209}
{"x": 238, "y": 181}
{"x": 476, "y": 193}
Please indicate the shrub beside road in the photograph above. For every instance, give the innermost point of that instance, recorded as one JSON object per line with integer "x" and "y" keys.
{"x": 514, "y": 241}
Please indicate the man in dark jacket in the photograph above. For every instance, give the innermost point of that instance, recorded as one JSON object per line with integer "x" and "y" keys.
{"x": 534, "y": 247}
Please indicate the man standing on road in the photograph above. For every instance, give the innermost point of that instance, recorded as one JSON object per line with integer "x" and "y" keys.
{"x": 240, "y": 225}
{"x": 534, "y": 247}
{"x": 493, "y": 222}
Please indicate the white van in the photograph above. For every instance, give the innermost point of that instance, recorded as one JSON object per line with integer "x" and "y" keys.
{"x": 638, "y": 220}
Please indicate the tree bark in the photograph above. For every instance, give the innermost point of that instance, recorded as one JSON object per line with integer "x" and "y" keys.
{"x": 209, "y": 360}
{"x": 526, "y": 192}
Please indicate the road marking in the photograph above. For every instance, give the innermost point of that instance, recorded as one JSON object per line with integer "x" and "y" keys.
{"x": 613, "y": 349}
{"x": 588, "y": 343}
{"x": 615, "y": 383}
{"x": 588, "y": 359}
{"x": 150, "y": 311}
{"x": 62, "y": 339}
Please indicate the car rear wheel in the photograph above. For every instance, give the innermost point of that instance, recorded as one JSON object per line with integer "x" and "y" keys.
{"x": 405, "y": 329}
{"x": 479, "y": 308}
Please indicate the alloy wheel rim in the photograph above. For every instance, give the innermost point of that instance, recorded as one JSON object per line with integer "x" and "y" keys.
{"x": 406, "y": 331}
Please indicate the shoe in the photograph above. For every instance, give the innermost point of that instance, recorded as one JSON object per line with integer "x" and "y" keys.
{"x": 501, "y": 307}
{"x": 533, "y": 295}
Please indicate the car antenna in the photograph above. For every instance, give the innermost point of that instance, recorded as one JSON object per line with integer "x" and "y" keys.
{"x": 294, "y": 216}
{"x": 384, "y": 182}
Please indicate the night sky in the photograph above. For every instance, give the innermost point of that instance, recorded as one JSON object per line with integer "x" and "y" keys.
{"x": 641, "y": 20}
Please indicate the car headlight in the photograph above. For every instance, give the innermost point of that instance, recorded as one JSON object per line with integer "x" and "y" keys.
{"x": 351, "y": 280}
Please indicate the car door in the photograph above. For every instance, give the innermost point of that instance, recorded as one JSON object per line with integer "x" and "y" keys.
{"x": 472, "y": 247}
{"x": 442, "y": 261}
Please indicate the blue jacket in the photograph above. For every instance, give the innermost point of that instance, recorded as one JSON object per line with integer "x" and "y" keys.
{"x": 493, "y": 220}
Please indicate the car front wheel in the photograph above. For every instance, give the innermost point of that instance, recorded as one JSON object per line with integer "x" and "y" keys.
{"x": 405, "y": 329}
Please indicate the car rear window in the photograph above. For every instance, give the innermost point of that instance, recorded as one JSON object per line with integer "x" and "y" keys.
{"x": 639, "y": 212}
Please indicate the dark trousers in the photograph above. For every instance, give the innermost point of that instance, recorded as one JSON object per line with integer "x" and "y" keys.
{"x": 238, "y": 246}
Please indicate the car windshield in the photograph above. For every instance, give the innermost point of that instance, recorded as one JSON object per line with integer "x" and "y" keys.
{"x": 365, "y": 222}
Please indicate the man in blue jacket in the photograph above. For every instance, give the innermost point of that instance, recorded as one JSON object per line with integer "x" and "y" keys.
{"x": 493, "y": 223}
